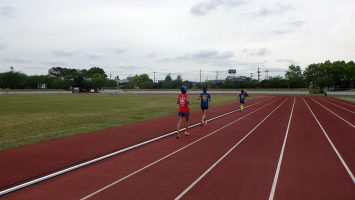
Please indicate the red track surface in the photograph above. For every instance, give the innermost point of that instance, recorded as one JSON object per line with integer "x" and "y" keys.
{"x": 205, "y": 161}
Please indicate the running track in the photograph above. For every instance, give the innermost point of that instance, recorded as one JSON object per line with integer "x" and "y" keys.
{"x": 286, "y": 147}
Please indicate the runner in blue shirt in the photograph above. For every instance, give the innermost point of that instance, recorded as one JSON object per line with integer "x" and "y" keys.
{"x": 204, "y": 98}
{"x": 241, "y": 98}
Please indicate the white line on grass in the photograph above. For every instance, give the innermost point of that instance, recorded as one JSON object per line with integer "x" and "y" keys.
{"x": 273, "y": 188}
{"x": 167, "y": 156}
{"x": 225, "y": 155}
{"x": 334, "y": 114}
{"x": 66, "y": 170}
{"x": 337, "y": 105}
{"x": 333, "y": 146}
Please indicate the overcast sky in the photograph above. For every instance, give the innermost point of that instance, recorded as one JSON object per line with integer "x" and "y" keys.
{"x": 142, "y": 36}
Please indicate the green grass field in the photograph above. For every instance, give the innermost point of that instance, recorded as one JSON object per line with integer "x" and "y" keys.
{"x": 28, "y": 119}
{"x": 347, "y": 98}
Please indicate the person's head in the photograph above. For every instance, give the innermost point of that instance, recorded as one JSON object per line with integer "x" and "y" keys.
{"x": 204, "y": 89}
{"x": 242, "y": 91}
{"x": 183, "y": 89}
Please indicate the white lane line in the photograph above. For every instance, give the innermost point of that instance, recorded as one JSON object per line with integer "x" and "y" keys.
{"x": 167, "y": 156}
{"x": 225, "y": 155}
{"x": 69, "y": 169}
{"x": 276, "y": 177}
{"x": 337, "y": 105}
{"x": 334, "y": 113}
{"x": 333, "y": 146}
{"x": 339, "y": 101}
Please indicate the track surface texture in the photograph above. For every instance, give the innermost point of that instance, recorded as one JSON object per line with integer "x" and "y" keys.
{"x": 281, "y": 147}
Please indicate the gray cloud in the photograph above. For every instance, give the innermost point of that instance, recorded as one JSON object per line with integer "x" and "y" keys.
{"x": 3, "y": 44}
{"x": 202, "y": 56}
{"x": 7, "y": 11}
{"x": 281, "y": 32}
{"x": 97, "y": 56}
{"x": 132, "y": 67}
{"x": 288, "y": 61}
{"x": 296, "y": 23}
{"x": 152, "y": 55}
{"x": 119, "y": 50}
{"x": 204, "y": 7}
{"x": 19, "y": 60}
{"x": 64, "y": 53}
{"x": 276, "y": 9}
{"x": 57, "y": 62}
{"x": 290, "y": 25}
{"x": 207, "y": 55}
{"x": 257, "y": 52}
{"x": 210, "y": 54}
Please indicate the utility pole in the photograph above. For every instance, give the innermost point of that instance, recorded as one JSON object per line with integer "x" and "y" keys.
{"x": 251, "y": 75}
{"x": 217, "y": 76}
{"x": 154, "y": 76}
{"x": 267, "y": 75}
{"x": 258, "y": 74}
{"x": 200, "y": 77}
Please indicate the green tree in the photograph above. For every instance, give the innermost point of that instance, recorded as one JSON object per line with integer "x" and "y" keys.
{"x": 142, "y": 81}
{"x": 98, "y": 80}
{"x": 95, "y": 70}
{"x": 188, "y": 84}
{"x": 349, "y": 77}
{"x": 13, "y": 80}
{"x": 177, "y": 83}
{"x": 33, "y": 81}
{"x": 274, "y": 82}
{"x": 168, "y": 82}
{"x": 295, "y": 77}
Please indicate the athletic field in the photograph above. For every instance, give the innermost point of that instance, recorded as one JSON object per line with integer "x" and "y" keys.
{"x": 280, "y": 147}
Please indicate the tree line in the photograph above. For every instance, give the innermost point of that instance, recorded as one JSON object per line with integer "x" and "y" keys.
{"x": 333, "y": 75}
{"x": 58, "y": 78}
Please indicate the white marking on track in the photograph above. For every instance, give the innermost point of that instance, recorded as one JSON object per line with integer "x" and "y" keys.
{"x": 334, "y": 114}
{"x": 339, "y": 101}
{"x": 333, "y": 146}
{"x": 225, "y": 155}
{"x": 337, "y": 105}
{"x": 66, "y": 170}
{"x": 167, "y": 156}
{"x": 273, "y": 188}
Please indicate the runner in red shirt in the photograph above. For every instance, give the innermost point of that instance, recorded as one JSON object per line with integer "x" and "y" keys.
{"x": 183, "y": 111}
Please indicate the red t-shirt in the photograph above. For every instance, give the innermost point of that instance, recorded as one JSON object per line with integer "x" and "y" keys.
{"x": 183, "y": 105}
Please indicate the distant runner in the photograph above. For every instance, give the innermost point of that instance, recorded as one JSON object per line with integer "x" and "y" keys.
{"x": 204, "y": 98}
{"x": 241, "y": 98}
{"x": 183, "y": 111}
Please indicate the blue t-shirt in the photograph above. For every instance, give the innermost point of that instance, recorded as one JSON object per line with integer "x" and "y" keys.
{"x": 205, "y": 97}
{"x": 242, "y": 97}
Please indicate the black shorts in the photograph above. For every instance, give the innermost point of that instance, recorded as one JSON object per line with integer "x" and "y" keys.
{"x": 204, "y": 107}
{"x": 184, "y": 114}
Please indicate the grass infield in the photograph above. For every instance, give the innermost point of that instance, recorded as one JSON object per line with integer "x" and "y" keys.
{"x": 347, "y": 98}
{"x": 28, "y": 119}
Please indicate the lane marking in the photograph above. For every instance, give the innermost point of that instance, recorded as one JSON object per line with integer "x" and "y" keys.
{"x": 336, "y": 105}
{"x": 333, "y": 146}
{"x": 169, "y": 155}
{"x": 334, "y": 113}
{"x": 342, "y": 101}
{"x": 225, "y": 155}
{"x": 276, "y": 177}
{"x": 86, "y": 163}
